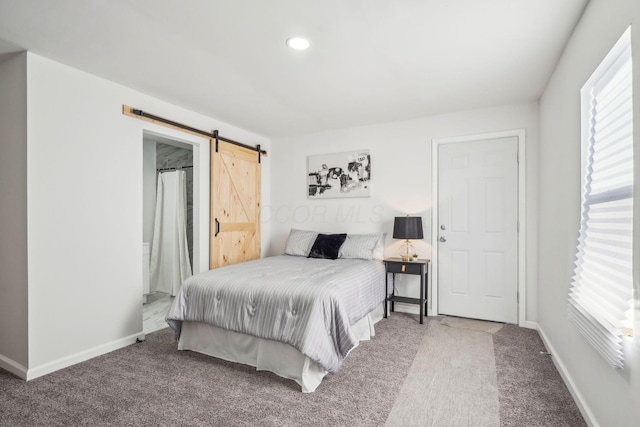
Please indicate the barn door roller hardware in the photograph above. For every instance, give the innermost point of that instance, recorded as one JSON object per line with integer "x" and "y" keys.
{"x": 134, "y": 112}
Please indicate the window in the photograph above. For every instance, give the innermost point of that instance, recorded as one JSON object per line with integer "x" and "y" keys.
{"x": 601, "y": 293}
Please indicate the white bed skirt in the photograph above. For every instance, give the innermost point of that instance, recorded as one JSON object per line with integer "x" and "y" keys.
{"x": 265, "y": 355}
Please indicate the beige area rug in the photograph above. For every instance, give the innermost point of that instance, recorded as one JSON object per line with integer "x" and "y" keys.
{"x": 475, "y": 325}
{"x": 452, "y": 381}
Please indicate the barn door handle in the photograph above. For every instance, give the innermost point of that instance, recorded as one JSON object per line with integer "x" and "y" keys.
{"x": 217, "y": 227}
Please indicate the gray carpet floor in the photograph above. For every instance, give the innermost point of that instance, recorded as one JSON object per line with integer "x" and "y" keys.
{"x": 456, "y": 375}
{"x": 531, "y": 390}
{"x": 452, "y": 381}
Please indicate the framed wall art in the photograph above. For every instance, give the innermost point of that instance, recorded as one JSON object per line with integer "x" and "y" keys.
{"x": 336, "y": 175}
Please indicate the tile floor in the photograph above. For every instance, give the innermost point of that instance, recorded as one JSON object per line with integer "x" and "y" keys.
{"x": 154, "y": 312}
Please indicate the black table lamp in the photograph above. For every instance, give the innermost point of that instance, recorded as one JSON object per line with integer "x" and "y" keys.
{"x": 407, "y": 227}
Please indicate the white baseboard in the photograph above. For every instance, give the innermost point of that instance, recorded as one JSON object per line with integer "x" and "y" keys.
{"x": 73, "y": 359}
{"x": 12, "y": 366}
{"x": 575, "y": 393}
{"x": 530, "y": 325}
{"x": 414, "y": 309}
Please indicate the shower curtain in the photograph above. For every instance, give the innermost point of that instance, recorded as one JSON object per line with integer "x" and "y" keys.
{"x": 170, "y": 265}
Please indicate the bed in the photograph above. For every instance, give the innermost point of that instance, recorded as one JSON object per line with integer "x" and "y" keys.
{"x": 295, "y": 315}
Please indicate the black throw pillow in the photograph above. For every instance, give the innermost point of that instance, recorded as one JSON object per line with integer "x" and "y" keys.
{"x": 327, "y": 246}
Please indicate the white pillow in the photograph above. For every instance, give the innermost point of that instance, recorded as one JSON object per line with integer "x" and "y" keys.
{"x": 299, "y": 242}
{"x": 360, "y": 246}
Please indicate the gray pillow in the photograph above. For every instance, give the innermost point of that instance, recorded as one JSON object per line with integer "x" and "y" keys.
{"x": 360, "y": 246}
{"x": 378, "y": 252}
{"x": 299, "y": 242}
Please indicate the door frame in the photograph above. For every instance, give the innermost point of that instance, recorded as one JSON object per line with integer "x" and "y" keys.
{"x": 522, "y": 228}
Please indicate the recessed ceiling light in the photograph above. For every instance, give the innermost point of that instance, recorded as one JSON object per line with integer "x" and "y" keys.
{"x": 298, "y": 43}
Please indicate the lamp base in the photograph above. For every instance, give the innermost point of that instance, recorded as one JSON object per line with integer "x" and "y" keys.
{"x": 406, "y": 251}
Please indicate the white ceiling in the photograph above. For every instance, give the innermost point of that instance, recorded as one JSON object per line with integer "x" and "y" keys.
{"x": 370, "y": 61}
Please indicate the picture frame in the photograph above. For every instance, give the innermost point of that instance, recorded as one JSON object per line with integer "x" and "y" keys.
{"x": 339, "y": 175}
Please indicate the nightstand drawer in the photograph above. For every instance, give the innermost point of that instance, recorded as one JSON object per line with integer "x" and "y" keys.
{"x": 404, "y": 267}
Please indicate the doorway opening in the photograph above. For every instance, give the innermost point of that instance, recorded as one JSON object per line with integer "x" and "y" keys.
{"x": 171, "y": 230}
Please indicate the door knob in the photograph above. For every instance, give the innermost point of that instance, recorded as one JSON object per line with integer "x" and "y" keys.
{"x": 443, "y": 239}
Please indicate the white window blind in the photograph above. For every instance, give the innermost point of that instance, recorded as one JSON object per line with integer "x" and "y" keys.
{"x": 601, "y": 292}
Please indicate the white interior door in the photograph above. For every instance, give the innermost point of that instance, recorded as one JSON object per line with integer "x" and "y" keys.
{"x": 478, "y": 229}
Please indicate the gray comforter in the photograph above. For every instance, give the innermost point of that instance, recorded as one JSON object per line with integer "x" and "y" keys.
{"x": 307, "y": 303}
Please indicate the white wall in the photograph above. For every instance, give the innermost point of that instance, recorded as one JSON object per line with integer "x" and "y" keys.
{"x": 85, "y": 209}
{"x": 149, "y": 189}
{"x": 608, "y": 397}
{"x": 401, "y": 180}
{"x": 13, "y": 214}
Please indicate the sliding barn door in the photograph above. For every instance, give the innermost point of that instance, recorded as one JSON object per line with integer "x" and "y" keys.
{"x": 235, "y": 204}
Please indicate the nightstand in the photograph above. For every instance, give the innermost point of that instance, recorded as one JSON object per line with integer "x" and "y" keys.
{"x": 397, "y": 266}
